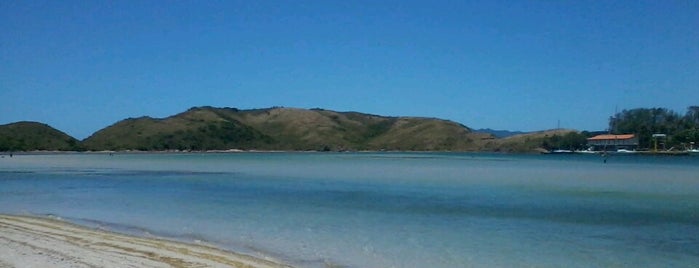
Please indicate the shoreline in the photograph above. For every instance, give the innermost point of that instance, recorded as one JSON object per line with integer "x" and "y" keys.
{"x": 173, "y": 152}
{"x": 32, "y": 241}
{"x": 236, "y": 151}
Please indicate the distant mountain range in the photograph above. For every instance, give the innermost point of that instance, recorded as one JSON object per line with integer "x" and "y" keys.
{"x": 277, "y": 128}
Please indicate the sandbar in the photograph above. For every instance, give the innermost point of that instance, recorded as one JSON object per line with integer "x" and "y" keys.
{"x": 28, "y": 241}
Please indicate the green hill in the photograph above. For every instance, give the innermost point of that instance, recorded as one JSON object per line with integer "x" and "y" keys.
{"x": 30, "y": 136}
{"x": 208, "y": 128}
{"x": 195, "y": 129}
{"x": 317, "y": 129}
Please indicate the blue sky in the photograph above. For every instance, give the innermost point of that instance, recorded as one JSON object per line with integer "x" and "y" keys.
{"x": 519, "y": 65}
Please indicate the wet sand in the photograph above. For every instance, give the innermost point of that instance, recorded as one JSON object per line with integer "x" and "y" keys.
{"x": 45, "y": 242}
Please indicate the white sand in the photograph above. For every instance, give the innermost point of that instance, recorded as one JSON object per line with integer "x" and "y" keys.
{"x": 43, "y": 242}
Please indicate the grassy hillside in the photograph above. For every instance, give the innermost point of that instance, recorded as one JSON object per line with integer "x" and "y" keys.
{"x": 318, "y": 129}
{"x": 30, "y": 136}
{"x": 195, "y": 129}
{"x": 425, "y": 134}
{"x": 208, "y": 128}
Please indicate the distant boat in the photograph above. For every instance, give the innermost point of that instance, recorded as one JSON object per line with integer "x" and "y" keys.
{"x": 625, "y": 151}
{"x": 693, "y": 151}
{"x": 561, "y": 152}
{"x": 587, "y": 151}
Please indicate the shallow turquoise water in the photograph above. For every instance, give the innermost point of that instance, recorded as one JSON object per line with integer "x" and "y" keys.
{"x": 381, "y": 209}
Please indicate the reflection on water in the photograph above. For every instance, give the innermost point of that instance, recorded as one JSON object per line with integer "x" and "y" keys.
{"x": 381, "y": 210}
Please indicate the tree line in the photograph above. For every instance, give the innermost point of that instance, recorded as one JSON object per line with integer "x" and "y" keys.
{"x": 681, "y": 129}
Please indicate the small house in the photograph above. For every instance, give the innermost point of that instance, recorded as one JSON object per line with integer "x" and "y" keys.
{"x": 612, "y": 142}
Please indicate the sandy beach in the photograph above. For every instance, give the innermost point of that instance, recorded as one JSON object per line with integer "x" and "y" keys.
{"x": 44, "y": 242}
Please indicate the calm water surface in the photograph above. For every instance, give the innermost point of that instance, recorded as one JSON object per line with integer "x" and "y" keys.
{"x": 381, "y": 209}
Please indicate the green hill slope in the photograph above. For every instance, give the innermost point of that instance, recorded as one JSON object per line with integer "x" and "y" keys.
{"x": 208, "y": 128}
{"x": 31, "y": 136}
{"x": 317, "y": 129}
{"x": 195, "y": 129}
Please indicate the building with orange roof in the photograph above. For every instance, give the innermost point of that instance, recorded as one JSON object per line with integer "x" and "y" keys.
{"x": 609, "y": 142}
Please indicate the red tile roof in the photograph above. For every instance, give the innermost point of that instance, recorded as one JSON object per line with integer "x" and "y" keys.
{"x": 612, "y": 137}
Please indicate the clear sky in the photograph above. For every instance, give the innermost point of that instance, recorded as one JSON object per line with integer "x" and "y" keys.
{"x": 80, "y": 66}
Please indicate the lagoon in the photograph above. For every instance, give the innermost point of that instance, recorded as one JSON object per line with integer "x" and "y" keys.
{"x": 380, "y": 209}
